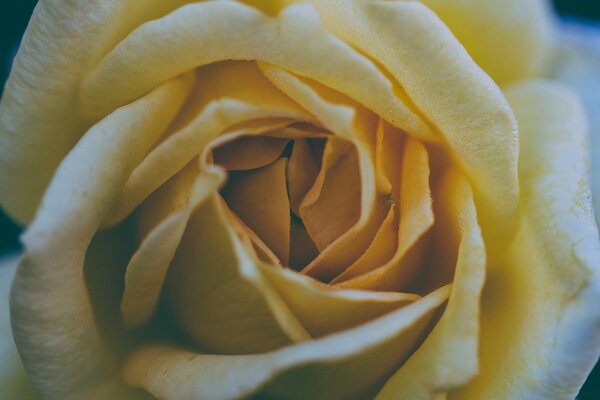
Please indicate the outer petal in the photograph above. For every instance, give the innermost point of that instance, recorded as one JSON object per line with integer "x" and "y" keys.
{"x": 446, "y": 85}
{"x": 39, "y": 118}
{"x": 38, "y": 121}
{"x": 53, "y": 322}
{"x": 540, "y": 317}
{"x": 342, "y": 366}
{"x": 190, "y": 37}
{"x": 510, "y": 39}
{"x": 13, "y": 380}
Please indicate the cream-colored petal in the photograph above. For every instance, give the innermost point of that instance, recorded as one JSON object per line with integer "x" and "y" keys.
{"x": 148, "y": 267}
{"x": 259, "y": 197}
{"x": 39, "y": 117}
{"x": 542, "y": 340}
{"x": 450, "y": 89}
{"x": 448, "y": 358}
{"x": 346, "y": 365}
{"x": 189, "y": 38}
{"x": 216, "y": 295}
{"x": 13, "y": 380}
{"x": 53, "y": 322}
{"x": 227, "y": 94}
{"x": 349, "y": 122}
{"x": 510, "y": 39}
{"x": 323, "y": 310}
{"x": 39, "y": 122}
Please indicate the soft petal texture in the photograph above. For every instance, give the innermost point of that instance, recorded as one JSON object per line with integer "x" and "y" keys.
{"x": 333, "y": 204}
{"x": 148, "y": 267}
{"x": 259, "y": 197}
{"x": 416, "y": 218}
{"x": 347, "y": 365}
{"x": 13, "y": 380}
{"x": 577, "y": 64}
{"x": 542, "y": 340}
{"x": 226, "y": 95}
{"x": 249, "y": 152}
{"x": 323, "y": 310}
{"x": 448, "y": 358}
{"x": 164, "y": 48}
{"x": 215, "y": 291}
{"x": 53, "y": 322}
{"x": 441, "y": 79}
{"x": 510, "y": 39}
{"x": 37, "y": 123}
{"x": 39, "y": 118}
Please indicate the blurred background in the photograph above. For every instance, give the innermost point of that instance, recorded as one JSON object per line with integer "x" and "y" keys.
{"x": 13, "y": 20}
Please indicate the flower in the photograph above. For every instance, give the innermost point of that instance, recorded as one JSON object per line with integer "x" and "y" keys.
{"x": 312, "y": 200}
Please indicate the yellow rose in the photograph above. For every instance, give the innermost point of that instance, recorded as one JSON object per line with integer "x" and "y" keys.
{"x": 328, "y": 199}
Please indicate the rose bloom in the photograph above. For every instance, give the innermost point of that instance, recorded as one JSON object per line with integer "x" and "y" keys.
{"x": 298, "y": 200}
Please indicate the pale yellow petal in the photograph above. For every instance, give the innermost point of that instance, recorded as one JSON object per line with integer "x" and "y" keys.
{"x": 448, "y": 358}
{"x": 249, "y": 152}
{"x": 148, "y": 267}
{"x": 53, "y": 322}
{"x": 543, "y": 339}
{"x": 510, "y": 39}
{"x": 189, "y": 38}
{"x": 13, "y": 380}
{"x": 442, "y": 80}
{"x": 350, "y": 122}
{"x": 226, "y": 95}
{"x": 345, "y": 365}
{"x": 323, "y": 310}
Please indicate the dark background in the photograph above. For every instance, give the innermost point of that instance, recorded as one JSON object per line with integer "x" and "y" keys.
{"x": 13, "y": 20}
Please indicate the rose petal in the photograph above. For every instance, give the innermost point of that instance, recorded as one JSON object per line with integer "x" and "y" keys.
{"x": 218, "y": 297}
{"x": 449, "y": 88}
{"x": 550, "y": 344}
{"x": 333, "y": 203}
{"x": 381, "y": 249}
{"x": 448, "y": 357}
{"x": 346, "y": 364}
{"x": 39, "y": 118}
{"x": 53, "y": 322}
{"x": 302, "y": 171}
{"x": 249, "y": 152}
{"x": 323, "y": 310}
{"x": 148, "y": 267}
{"x": 511, "y": 39}
{"x": 336, "y": 114}
{"x": 199, "y": 34}
{"x": 416, "y": 218}
{"x": 259, "y": 197}
{"x": 302, "y": 249}
{"x": 227, "y": 94}
{"x": 13, "y": 380}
